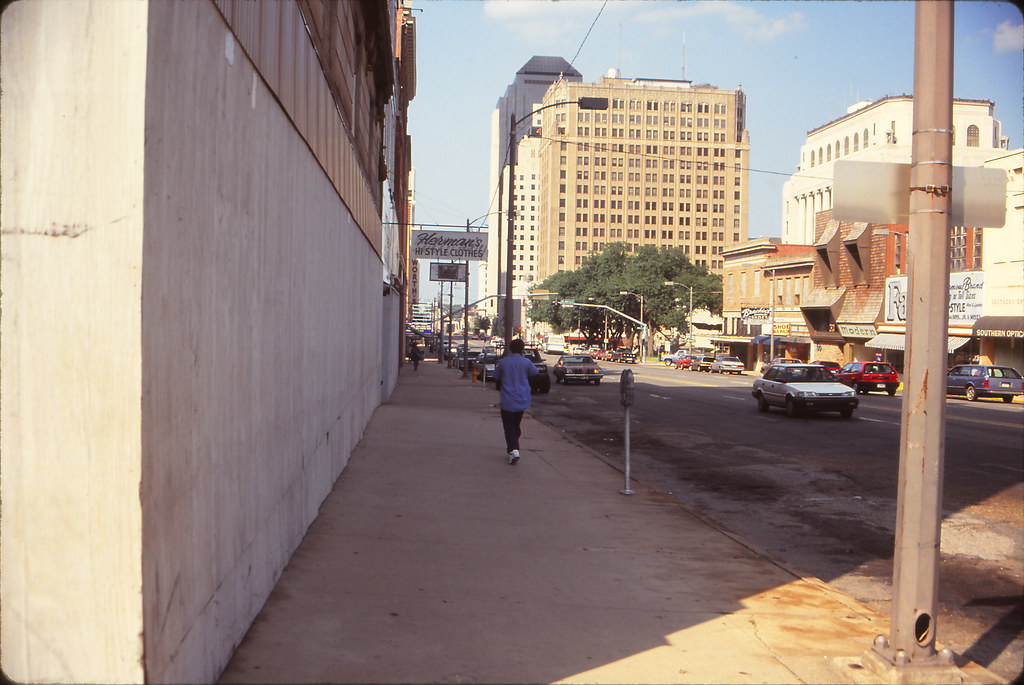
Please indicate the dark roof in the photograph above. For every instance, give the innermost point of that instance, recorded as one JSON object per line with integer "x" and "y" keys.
{"x": 548, "y": 65}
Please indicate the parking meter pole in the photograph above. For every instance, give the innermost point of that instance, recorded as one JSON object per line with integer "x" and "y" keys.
{"x": 626, "y": 397}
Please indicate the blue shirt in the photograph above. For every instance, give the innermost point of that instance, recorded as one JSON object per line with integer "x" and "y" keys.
{"x": 514, "y": 371}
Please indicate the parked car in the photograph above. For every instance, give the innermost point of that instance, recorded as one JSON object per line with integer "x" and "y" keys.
{"x": 671, "y": 358}
{"x": 686, "y": 360}
{"x": 702, "y": 363}
{"x": 622, "y": 354}
{"x": 778, "y": 360}
{"x": 803, "y": 388}
{"x": 864, "y": 377}
{"x": 831, "y": 366}
{"x": 485, "y": 363}
{"x": 980, "y": 380}
{"x": 471, "y": 355}
{"x": 541, "y": 383}
{"x": 577, "y": 367}
{"x": 727, "y": 364}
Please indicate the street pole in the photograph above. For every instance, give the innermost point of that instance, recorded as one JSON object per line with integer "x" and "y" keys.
{"x": 909, "y": 654}
{"x": 465, "y": 316}
{"x": 771, "y": 345}
{"x": 512, "y": 154}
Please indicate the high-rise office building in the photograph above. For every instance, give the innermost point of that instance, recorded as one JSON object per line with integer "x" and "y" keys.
{"x": 667, "y": 164}
{"x": 521, "y": 97}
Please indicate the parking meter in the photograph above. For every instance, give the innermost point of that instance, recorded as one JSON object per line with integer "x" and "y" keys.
{"x": 626, "y": 388}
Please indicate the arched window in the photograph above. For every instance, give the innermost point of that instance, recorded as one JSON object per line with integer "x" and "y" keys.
{"x": 821, "y": 156}
{"x": 972, "y": 136}
{"x": 846, "y": 146}
{"x": 856, "y": 142}
{"x": 865, "y": 137}
{"x": 828, "y": 153}
{"x": 812, "y": 158}
{"x": 952, "y": 136}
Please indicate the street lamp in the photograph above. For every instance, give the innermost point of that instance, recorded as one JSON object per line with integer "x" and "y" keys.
{"x": 646, "y": 343}
{"x": 583, "y": 103}
{"x": 689, "y": 312}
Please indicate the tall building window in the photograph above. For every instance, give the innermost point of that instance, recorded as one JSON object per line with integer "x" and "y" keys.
{"x": 972, "y": 136}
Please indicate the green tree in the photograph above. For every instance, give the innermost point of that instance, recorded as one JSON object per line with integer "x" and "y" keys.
{"x": 603, "y": 277}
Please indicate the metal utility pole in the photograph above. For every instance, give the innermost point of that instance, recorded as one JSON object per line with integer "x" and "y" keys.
{"x": 465, "y": 317}
{"x": 513, "y": 152}
{"x": 908, "y": 655}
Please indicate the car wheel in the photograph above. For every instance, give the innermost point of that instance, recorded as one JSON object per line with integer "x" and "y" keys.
{"x": 1007, "y": 398}
{"x": 597, "y": 382}
{"x": 791, "y": 408}
{"x": 846, "y": 413}
{"x": 545, "y": 384}
{"x": 762, "y": 403}
{"x": 891, "y": 391}
{"x": 970, "y": 393}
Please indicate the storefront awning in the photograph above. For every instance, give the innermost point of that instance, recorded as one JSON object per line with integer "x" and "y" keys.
{"x": 898, "y": 341}
{"x": 761, "y": 339}
{"x": 999, "y": 327}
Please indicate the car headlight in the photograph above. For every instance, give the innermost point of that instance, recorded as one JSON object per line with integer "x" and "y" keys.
{"x": 806, "y": 393}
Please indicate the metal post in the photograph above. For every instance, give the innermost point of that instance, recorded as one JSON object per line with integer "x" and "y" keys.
{"x": 512, "y": 154}
{"x": 465, "y": 317}
{"x": 451, "y": 293}
{"x": 909, "y": 654}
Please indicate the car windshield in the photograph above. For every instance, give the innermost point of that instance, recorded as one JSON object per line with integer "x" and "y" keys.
{"x": 729, "y": 359}
{"x": 577, "y": 359}
{"x": 803, "y": 374}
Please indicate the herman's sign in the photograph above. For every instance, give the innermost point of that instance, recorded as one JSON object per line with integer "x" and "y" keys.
{"x": 460, "y": 245}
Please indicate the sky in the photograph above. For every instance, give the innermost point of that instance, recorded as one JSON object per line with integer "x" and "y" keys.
{"x": 800, "y": 64}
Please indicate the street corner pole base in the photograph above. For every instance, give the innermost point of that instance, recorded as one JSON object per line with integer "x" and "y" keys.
{"x": 625, "y": 491}
{"x": 893, "y": 666}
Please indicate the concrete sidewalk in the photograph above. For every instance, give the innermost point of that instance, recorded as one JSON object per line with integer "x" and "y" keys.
{"x": 433, "y": 560}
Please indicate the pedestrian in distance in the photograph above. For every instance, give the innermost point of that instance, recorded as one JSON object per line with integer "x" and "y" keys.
{"x": 512, "y": 379}
{"x": 415, "y": 355}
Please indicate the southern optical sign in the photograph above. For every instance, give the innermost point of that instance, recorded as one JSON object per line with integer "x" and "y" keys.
{"x": 458, "y": 245}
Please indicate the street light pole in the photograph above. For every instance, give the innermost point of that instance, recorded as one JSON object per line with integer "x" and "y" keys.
{"x": 645, "y": 344}
{"x": 583, "y": 103}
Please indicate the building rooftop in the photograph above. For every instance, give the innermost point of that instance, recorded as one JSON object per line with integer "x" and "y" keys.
{"x": 548, "y": 65}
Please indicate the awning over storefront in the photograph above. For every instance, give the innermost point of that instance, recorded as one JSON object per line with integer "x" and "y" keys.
{"x": 898, "y": 341}
{"x": 761, "y": 340}
{"x": 999, "y": 327}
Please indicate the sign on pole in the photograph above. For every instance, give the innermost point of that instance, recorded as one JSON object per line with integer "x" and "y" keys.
{"x": 879, "y": 192}
{"x": 449, "y": 245}
{"x": 444, "y": 271}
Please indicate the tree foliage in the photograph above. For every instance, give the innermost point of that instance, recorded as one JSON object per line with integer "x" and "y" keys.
{"x": 601, "y": 278}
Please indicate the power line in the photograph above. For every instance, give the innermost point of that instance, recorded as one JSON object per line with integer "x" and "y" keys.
{"x": 580, "y": 48}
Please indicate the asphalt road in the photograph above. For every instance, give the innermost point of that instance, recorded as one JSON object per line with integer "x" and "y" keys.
{"x": 819, "y": 492}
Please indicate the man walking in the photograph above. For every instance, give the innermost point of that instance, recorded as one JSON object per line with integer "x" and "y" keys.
{"x": 512, "y": 377}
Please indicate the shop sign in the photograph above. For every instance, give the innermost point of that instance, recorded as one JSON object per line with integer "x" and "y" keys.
{"x": 459, "y": 245}
{"x": 782, "y": 328}
{"x": 853, "y": 330}
{"x": 965, "y": 297}
{"x": 755, "y": 313}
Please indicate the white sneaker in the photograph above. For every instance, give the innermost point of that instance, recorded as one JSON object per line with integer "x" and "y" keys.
{"x": 513, "y": 457}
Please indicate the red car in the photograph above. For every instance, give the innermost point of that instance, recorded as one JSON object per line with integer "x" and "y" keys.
{"x": 867, "y": 376}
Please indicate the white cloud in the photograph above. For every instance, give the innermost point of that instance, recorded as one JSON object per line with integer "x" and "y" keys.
{"x": 543, "y": 21}
{"x": 1008, "y": 38}
{"x": 748, "y": 20}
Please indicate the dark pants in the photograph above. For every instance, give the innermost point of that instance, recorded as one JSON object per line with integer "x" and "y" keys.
{"x": 510, "y": 421}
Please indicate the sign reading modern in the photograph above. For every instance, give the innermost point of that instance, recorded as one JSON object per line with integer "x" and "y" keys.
{"x": 458, "y": 245}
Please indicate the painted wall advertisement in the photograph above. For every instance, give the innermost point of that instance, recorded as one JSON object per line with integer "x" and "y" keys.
{"x": 965, "y": 297}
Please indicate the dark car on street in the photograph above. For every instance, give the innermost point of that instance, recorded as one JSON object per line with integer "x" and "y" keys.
{"x": 867, "y": 376}
{"x": 981, "y": 380}
{"x": 577, "y": 367}
{"x": 541, "y": 383}
{"x": 702, "y": 363}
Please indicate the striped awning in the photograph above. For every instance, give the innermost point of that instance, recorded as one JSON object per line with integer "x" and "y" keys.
{"x": 898, "y": 341}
